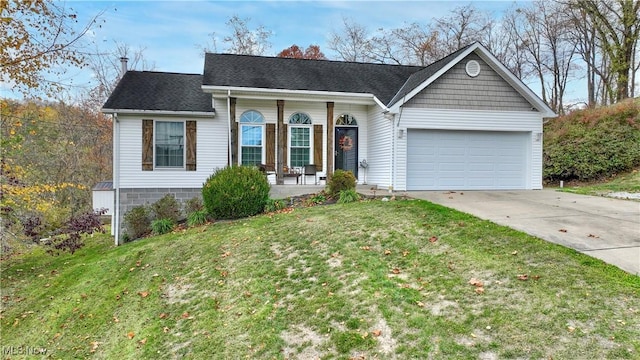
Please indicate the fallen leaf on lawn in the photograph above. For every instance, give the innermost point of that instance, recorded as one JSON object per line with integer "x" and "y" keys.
{"x": 57, "y": 335}
{"x": 143, "y": 294}
{"x": 395, "y": 271}
{"x": 94, "y": 346}
{"x": 226, "y": 254}
{"x": 117, "y": 297}
{"x": 138, "y": 263}
{"x": 433, "y": 239}
{"x": 365, "y": 335}
{"x": 165, "y": 329}
{"x": 164, "y": 315}
{"x": 476, "y": 282}
{"x": 365, "y": 248}
{"x": 420, "y": 303}
{"x": 405, "y": 253}
{"x": 523, "y": 277}
{"x": 184, "y": 315}
{"x": 563, "y": 230}
{"x": 536, "y": 277}
{"x": 115, "y": 320}
{"x": 479, "y": 290}
{"x": 515, "y": 252}
{"x": 130, "y": 270}
{"x": 143, "y": 341}
{"x": 376, "y": 332}
{"x": 387, "y": 252}
{"x": 131, "y": 335}
{"x": 571, "y": 328}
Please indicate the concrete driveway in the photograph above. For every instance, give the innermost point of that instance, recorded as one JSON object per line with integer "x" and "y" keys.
{"x": 607, "y": 229}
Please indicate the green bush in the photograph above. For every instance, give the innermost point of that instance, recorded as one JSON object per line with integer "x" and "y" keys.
{"x": 166, "y": 208}
{"x": 192, "y": 205}
{"x": 341, "y": 180}
{"x": 137, "y": 222}
{"x": 593, "y": 144}
{"x": 162, "y": 226}
{"x": 348, "y": 196}
{"x": 235, "y": 192}
{"x": 196, "y": 218}
{"x": 317, "y": 199}
{"x": 274, "y": 205}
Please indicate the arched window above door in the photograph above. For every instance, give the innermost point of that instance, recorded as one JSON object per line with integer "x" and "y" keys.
{"x": 299, "y": 119}
{"x": 346, "y": 120}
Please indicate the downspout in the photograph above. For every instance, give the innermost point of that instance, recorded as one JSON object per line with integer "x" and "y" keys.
{"x": 229, "y": 150}
{"x": 116, "y": 178}
{"x": 393, "y": 154}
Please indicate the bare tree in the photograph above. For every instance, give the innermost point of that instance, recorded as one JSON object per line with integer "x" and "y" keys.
{"x": 352, "y": 42}
{"x": 106, "y": 68}
{"x": 464, "y": 25}
{"x": 243, "y": 40}
{"x": 617, "y": 25}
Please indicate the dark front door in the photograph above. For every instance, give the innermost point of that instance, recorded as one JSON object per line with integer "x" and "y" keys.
{"x": 347, "y": 149}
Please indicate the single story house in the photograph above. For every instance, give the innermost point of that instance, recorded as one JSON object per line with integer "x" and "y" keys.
{"x": 462, "y": 123}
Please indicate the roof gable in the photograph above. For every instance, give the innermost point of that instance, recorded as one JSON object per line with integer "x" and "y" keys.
{"x": 381, "y": 80}
{"x": 148, "y": 90}
{"x": 420, "y": 80}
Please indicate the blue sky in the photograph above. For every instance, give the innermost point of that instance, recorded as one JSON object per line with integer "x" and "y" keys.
{"x": 174, "y": 32}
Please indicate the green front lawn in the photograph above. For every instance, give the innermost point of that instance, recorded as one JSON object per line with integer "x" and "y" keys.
{"x": 398, "y": 279}
{"x": 628, "y": 182}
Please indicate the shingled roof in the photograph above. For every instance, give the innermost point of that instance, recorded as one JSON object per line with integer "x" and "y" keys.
{"x": 261, "y": 72}
{"x": 148, "y": 90}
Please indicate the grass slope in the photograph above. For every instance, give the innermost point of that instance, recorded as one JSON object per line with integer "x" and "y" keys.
{"x": 399, "y": 279}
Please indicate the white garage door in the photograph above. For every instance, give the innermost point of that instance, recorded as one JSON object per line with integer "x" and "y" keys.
{"x": 466, "y": 160}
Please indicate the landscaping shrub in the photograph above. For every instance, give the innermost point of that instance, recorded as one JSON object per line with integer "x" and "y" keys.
{"x": 162, "y": 226}
{"x": 593, "y": 144}
{"x": 137, "y": 222}
{"x": 341, "y": 180}
{"x": 196, "y": 218}
{"x": 274, "y": 205}
{"x": 348, "y": 196}
{"x": 316, "y": 199}
{"x": 235, "y": 192}
{"x": 166, "y": 208}
{"x": 69, "y": 237}
{"x": 192, "y": 205}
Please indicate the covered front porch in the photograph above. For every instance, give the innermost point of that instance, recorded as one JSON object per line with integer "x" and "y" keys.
{"x": 285, "y": 191}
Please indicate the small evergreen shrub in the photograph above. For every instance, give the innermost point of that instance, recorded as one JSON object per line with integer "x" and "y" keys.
{"x": 162, "y": 226}
{"x": 235, "y": 192}
{"x": 341, "y": 180}
{"x": 192, "y": 205}
{"x": 197, "y": 218}
{"x": 137, "y": 222}
{"x": 274, "y": 205}
{"x": 348, "y": 196}
{"x": 166, "y": 208}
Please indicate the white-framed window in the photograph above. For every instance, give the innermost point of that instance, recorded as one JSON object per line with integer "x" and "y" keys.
{"x": 169, "y": 144}
{"x": 300, "y": 140}
{"x": 252, "y": 138}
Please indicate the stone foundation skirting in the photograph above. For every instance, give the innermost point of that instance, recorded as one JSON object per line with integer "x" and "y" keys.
{"x": 130, "y": 198}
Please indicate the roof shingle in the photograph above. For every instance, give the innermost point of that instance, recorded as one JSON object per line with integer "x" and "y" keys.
{"x": 148, "y": 90}
{"x": 381, "y": 80}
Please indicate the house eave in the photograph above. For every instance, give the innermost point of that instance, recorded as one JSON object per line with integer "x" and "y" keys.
{"x": 159, "y": 112}
{"x": 291, "y": 95}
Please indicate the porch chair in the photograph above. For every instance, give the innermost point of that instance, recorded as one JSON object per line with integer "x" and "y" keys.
{"x": 310, "y": 170}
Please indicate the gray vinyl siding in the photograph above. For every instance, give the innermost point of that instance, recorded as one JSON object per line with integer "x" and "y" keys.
{"x": 457, "y": 90}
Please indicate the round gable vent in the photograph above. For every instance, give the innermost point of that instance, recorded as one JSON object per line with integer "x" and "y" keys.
{"x": 472, "y": 68}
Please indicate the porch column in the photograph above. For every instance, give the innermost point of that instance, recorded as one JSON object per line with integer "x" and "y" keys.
{"x": 282, "y": 143}
{"x": 234, "y": 132}
{"x": 330, "y": 150}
